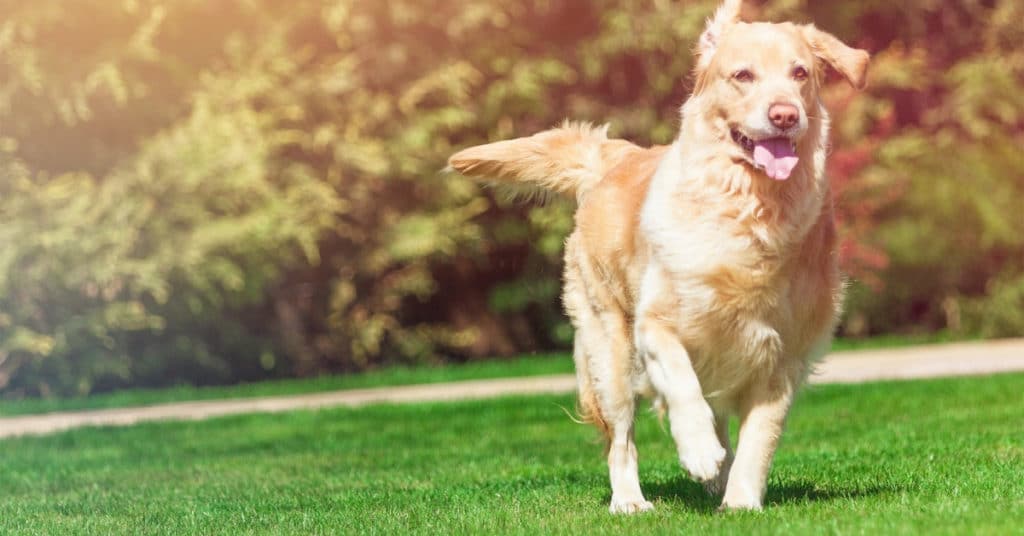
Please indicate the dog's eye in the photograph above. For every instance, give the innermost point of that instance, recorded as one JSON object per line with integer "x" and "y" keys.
{"x": 743, "y": 75}
{"x": 799, "y": 74}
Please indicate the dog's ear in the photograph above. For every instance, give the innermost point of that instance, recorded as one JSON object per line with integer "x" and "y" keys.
{"x": 726, "y": 15}
{"x": 851, "y": 62}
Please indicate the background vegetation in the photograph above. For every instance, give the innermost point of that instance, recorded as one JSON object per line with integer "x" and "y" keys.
{"x": 209, "y": 192}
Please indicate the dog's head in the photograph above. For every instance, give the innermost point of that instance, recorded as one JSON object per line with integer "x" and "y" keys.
{"x": 757, "y": 85}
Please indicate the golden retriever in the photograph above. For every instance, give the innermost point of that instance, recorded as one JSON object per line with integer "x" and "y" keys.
{"x": 702, "y": 274}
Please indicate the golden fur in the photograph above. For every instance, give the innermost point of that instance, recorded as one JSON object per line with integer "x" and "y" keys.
{"x": 691, "y": 276}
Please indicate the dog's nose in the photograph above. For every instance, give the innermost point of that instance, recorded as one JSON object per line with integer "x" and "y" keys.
{"x": 783, "y": 115}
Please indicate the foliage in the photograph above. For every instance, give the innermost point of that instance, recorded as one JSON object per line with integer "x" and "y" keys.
{"x": 950, "y": 116}
{"x": 207, "y": 192}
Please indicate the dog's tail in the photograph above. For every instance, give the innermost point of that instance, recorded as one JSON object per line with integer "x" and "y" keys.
{"x": 569, "y": 160}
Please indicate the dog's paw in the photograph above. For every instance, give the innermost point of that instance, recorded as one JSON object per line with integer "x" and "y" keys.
{"x": 742, "y": 494}
{"x": 703, "y": 460}
{"x": 740, "y": 506}
{"x": 630, "y": 506}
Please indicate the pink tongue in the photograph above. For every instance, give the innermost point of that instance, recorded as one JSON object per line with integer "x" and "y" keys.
{"x": 776, "y": 156}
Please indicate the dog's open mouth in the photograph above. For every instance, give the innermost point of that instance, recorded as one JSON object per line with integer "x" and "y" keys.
{"x": 776, "y": 156}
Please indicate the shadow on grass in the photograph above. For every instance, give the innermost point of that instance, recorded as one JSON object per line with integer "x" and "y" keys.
{"x": 692, "y": 494}
{"x": 683, "y": 490}
{"x": 807, "y": 492}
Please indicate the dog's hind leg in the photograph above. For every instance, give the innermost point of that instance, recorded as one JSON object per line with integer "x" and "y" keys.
{"x": 623, "y": 469}
{"x": 604, "y": 370}
{"x": 586, "y": 398}
{"x": 611, "y": 372}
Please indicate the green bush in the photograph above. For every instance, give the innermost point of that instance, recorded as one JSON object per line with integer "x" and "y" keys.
{"x": 950, "y": 176}
{"x": 209, "y": 192}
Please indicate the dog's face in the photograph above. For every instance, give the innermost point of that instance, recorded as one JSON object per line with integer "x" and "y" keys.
{"x": 760, "y": 81}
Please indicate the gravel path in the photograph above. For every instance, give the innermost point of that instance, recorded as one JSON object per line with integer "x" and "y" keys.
{"x": 961, "y": 359}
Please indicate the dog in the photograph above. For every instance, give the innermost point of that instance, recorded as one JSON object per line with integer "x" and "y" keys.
{"x": 702, "y": 274}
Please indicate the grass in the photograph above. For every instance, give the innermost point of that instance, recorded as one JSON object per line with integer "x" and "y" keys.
{"x": 935, "y": 457}
{"x": 532, "y": 365}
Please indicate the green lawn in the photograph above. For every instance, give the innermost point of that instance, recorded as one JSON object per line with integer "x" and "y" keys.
{"x": 933, "y": 457}
{"x": 532, "y": 365}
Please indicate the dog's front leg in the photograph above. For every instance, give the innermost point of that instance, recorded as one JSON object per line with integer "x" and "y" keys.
{"x": 690, "y": 418}
{"x": 763, "y": 414}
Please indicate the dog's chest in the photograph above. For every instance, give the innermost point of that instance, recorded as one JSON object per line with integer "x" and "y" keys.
{"x": 736, "y": 315}
{"x": 742, "y": 317}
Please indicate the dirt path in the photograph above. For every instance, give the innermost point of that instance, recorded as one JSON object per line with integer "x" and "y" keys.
{"x": 962, "y": 359}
